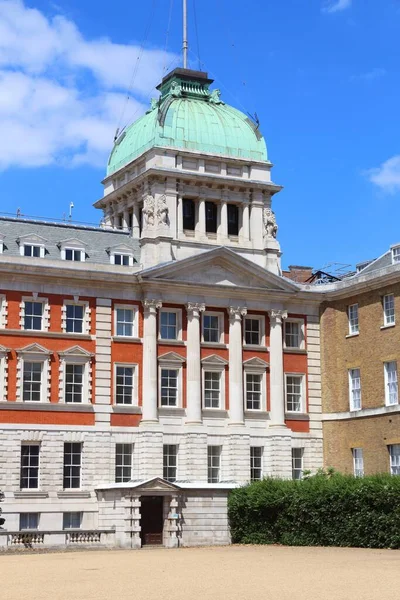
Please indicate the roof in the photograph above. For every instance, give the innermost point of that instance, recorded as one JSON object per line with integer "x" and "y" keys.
{"x": 188, "y": 115}
{"x": 95, "y": 240}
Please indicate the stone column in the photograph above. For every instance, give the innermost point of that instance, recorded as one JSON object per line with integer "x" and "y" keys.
{"x": 236, "y": 403}
{"x": 136, "y": 221}
{"x": 223, "y": 225}
{"x": 193, "y": 364}
{"x": 125, "y": 219}
{"x": 277, "y": 399}
{"x": 149, "y": 389}
{"x": 201, "y": 225}
{"x": 179, "y": 216}
{"x": 245, "y": 222}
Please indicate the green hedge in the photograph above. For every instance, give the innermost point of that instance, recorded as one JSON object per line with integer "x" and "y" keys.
{"x": 339, "y": 510}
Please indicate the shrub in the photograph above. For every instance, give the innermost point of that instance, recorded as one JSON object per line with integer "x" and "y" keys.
{"x": 328, "y": 509}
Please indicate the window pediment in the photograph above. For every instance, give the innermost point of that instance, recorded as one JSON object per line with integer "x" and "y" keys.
{"x": 34, "y": 349}
{"x": 213, "y": 360}
{"x": 72, "y": 243}
{"x": 120, "y": 248}
{"x": 75, "y": 352}
{"x": 171, "y": 358}
{"x": 32, "y": 238}
{"x": 256, "y": 363}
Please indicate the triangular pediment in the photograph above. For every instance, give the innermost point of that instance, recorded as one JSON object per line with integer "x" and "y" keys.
{"x": 256, "y": 363}
{"x": 34, "y": 349}
{"x": 73, "y": 243}
{"x": 220, "y": 267}
{"x": 213, "y": 360}
{"x": 76, "y": 351}
{"x": 171, "y": 357}
{"x": 32, "y": 238}
{"x": 121, "y": 248}
{"x": 156, "y": 484}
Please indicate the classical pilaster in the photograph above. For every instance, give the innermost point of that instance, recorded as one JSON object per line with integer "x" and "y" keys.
{"x": 277, "y": 400}
{"x": 193, "y": 365}
{"x": 223, "y": 223}
{"x": 149, "y": 390}
{"x": 201, "y": 224}
{"x": 245, "y": 222}
{"x": 125, "y": 219}
{"x": 236, "y": 403}
{"x": 136, "y": 221}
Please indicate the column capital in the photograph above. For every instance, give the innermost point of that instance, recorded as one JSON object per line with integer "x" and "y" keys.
{"x": 150, "y": 305}
{"x": 277, "y": 316}
{"x": 194, "y": 309}
{"x": 237, "y": 312}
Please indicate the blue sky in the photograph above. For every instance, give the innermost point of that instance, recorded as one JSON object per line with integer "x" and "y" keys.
{"x": 323, "y": 77}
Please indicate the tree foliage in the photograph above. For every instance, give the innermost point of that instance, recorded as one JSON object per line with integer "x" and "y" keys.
{"x": 328, "y": 509}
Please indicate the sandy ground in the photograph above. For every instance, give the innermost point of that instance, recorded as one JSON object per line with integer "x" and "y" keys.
{"x": 232, "y": 573}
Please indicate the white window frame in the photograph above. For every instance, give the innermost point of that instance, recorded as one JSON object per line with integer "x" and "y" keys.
{"x": 255, "y": 366}
{"x": 303, "y": 393}
{"x": 32, "y": 245}
{"x": 86, "y": 316}
{"x": 261, "y": 320}
{"x": 302, "y": 338}
{"x": 391, "y": 383}
{"x": 76, "y": 356}
{"x": 37, "y": 487}
{"x": 34, "y": 353}
{"x": 214, "y": 364}
{"x": 122, "y": 251}
{"x": 32, "y": 240}
{"x": 167, "y": 463}
{"x": 135, "y": 383}
{"x": 358, "y": 462}
{"x": 68, "y": 527}
{"x": 221, "y": 316}
{"x": 253, "y": 460}
{"x": 220, "y": 377}
{"x": 394, "y": 454}
{"x": 135, "y": 311}
{"x": 123, "y": 465}
{"x": 295, "y": 468}
{"x": 178, "y": 313}
{"x": 389, "y": 315}
{"x": 174, "y": 362}
{"x": 45, "y": 321}
{"x": 25, "y": 515}
{"x": 354, "y": 321}
{"x": 352, "y": 377}
{"x": 211, "y": 464}
{"x": 70, "y": 465}
{"x": 3, "y": 372}
{"x": 74, "y": 245}
{"x": 395, "y": 254}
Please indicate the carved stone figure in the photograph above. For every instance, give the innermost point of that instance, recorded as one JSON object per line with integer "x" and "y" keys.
{"x": 153, "y": 105}
{"x": 175, "y": 89}
{"x": 215, "y": 97}
{"x": 148, "y": 211}
{"x": 162, "y": 211}
{"x": 270, "y": 226}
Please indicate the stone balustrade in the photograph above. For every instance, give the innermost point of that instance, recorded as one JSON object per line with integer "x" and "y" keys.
{"x": 13, "y": 540}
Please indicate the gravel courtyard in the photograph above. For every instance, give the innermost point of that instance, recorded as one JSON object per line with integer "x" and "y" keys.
{"x": 230, "y": 573}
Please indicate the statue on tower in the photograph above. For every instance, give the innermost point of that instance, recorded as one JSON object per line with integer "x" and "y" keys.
{"x": 162, "y": 211}
{"x": 148, "y": 211}
{"x": 270, "y": 226}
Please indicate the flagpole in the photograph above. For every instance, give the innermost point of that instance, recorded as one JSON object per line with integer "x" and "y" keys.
{"x": 185, "y": 40}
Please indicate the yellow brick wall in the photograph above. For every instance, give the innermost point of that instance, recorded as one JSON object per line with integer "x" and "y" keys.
{"x": 373, "y": 434}
{"x": 368, "y": 351}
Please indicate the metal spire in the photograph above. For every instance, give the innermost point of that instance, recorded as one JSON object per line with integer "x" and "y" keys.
{"x": 185, "y": 40}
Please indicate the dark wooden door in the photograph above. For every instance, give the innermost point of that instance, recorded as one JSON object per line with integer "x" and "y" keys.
{"x": 152, "y": 521}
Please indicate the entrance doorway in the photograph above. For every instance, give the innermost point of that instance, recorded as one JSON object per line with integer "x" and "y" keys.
{"x": 152, "y": 520}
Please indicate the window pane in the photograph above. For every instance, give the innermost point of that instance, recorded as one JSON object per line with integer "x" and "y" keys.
{"x": 294, "y": 386}
{"x": 256, "y": 454}
{"x": 188, "y": 214}
{"x": 124, "y": 385}
{"x": 211, "y": 328}
{"x": 72, "y": 520}
{"x": 392, "y": 396}
{"x": 72, "y": 465}
{"x": 353, "y": 318}
{"x": 297, "y": 463}
{"x": 28, "y": 521}
{"x": 214, "y": 463}
{"x": 292, "y": 334}
{"x": 168, "y": 325}
{"x": 170, "y": 462}
{"x": 212, "y": 391}
{"x": 394, "y": 451}
{"x": 32, "y": 382}
{"x": 74, "y": 318}
{"x": 358, "y": 462}
{"x": 211, "y": 217}
{"x": 123, "y": 462}
{"x": 74, "y": 383}
{"x": 252, "y": 331}
{"x": 33, "y": 315}
{"x": 125, "y": 322}
{"x": 388, "y": 309}
{"x": 169, "y": 387}
{"x": 233, "y": 219}
{"x": 355, "y": 389}
{"x": 29, "y": 473}
{"x": 253, "y": 391}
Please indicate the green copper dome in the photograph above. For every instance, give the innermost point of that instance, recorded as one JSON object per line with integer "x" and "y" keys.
{"x": 189, "y": 116}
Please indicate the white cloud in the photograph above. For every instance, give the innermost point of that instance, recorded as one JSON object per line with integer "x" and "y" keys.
{"x": 369, "y": 75}
{"x": 387, "y": 176}
{"x": 61, "y": 95}
{"x": 332, "y": 6}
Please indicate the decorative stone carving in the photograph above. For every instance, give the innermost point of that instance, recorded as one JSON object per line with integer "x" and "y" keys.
{"x": 175, "y": 89}
{"x": 215, "y": 97}
{"x": 162, "y": 211}
{"x": 150, "y": 306}
{"x": 194, "y": 309}
{"x": 237, "y": 312}
{"x": 154, "y": 102}
{"x": 149, "y": 209}
{"x": 270, "y": 226}
{"x": 277, "y": 316}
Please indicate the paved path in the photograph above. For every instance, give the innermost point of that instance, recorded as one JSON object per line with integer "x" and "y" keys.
{"x": 232, "y": 573}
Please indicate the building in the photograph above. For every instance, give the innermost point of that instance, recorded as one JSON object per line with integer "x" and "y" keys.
{"x": 360, "y": 344}
{"x": 150, "y": 365}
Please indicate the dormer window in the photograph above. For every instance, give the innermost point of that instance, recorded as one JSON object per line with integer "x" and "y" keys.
{"x": 396, "y": 254}
{"x": 73, "y": 250}
{"x": 32, "y": 245}
{"x": 121, "y": 255}
{"x": 74, "y": 255}
{"x": 30, "y": 250}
